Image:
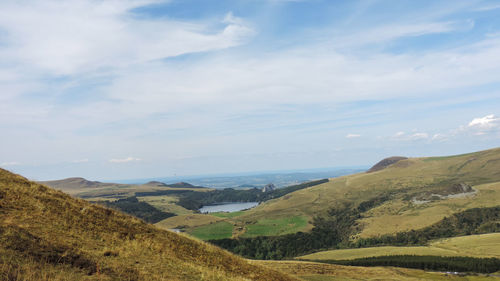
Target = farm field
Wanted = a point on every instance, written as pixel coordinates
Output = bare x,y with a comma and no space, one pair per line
270,227
218,230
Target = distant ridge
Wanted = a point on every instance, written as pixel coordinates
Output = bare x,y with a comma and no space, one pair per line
384,163
173,185
73,183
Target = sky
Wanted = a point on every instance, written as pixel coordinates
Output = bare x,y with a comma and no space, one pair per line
149,88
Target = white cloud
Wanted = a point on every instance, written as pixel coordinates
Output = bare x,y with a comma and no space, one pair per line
407,137
125,160
485,123
351,136
439,137
419,136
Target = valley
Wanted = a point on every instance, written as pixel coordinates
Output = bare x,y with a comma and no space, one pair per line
435,209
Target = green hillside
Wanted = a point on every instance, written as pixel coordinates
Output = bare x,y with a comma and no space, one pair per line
417,192
48,235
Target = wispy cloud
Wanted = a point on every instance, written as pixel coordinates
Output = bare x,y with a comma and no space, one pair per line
488,8
103,35
419,136
352,136
125,160
402,136
80,161
98,76
6,164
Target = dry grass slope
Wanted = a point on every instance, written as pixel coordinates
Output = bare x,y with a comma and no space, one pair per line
481,246
328,272
48,235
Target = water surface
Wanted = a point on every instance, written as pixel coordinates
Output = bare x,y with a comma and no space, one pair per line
228,207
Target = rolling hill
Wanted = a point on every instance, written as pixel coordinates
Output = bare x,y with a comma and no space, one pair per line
411,193
48,235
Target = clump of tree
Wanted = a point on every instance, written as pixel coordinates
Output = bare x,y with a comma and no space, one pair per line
437,263
136,208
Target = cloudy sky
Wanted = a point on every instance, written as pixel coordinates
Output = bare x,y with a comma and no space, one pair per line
149,88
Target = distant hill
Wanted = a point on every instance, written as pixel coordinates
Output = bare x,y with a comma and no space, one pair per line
384,163
48,235
74,183
173,185
183,185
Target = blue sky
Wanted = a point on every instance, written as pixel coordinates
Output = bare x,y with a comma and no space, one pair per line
149,88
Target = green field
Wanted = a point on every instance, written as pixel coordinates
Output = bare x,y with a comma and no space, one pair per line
484,245
227,215
271,227
218,230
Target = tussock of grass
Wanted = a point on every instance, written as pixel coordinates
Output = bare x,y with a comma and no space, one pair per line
48,235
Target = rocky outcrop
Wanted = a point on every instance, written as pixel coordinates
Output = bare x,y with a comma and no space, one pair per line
268,187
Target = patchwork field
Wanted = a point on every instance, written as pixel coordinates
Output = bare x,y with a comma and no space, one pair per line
484,245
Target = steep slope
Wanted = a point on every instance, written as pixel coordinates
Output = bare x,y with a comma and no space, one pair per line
48,235
416,192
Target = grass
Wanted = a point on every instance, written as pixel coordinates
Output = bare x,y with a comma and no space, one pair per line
481,246
165,203
188,221
48,235
271,227
228,214
326,272
218,230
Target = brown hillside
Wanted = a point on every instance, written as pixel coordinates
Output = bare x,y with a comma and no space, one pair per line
48,235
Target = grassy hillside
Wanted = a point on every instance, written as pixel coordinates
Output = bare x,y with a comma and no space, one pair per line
48,235
312,271
484,245
409,184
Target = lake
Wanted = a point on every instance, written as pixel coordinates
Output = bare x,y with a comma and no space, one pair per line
228,207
